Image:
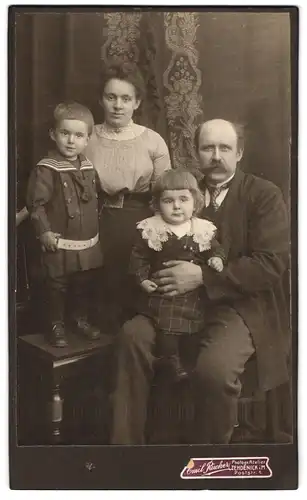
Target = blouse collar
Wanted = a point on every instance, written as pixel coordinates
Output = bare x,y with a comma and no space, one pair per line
130,131
119,130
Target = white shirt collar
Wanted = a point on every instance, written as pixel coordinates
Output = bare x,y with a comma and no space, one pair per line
220,184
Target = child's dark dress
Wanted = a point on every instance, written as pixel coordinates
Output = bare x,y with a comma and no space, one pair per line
155,244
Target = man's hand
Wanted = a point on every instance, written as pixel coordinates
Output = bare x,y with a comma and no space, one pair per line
178,277
148,286
49,241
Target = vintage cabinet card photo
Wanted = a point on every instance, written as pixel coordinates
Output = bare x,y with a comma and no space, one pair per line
153,247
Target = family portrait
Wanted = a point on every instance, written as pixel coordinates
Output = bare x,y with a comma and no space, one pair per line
153,175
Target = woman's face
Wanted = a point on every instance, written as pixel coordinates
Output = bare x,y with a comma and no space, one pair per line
119,102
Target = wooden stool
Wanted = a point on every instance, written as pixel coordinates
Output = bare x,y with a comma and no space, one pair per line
43,374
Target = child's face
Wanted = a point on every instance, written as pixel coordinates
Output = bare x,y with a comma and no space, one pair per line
71,137
176,205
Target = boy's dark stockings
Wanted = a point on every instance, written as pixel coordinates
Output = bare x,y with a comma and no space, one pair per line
77,288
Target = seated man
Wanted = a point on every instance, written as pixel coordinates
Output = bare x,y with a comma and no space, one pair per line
248,306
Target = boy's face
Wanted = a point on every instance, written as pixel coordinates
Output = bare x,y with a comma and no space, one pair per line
176,205
71,137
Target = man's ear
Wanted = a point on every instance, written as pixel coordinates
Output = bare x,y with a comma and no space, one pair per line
240,154
51,134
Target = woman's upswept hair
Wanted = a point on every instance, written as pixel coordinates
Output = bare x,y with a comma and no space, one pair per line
126,71
177,179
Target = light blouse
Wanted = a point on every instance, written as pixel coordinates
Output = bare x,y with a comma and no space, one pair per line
127,160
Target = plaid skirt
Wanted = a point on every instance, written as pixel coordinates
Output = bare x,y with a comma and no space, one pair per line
181,315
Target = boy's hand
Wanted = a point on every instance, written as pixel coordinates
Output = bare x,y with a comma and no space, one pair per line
148,286
49,241
216,263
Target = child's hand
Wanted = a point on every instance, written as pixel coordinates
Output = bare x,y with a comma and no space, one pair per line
149,286
21,216
216,263
49,241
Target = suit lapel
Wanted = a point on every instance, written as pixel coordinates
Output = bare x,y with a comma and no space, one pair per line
230,211
227,217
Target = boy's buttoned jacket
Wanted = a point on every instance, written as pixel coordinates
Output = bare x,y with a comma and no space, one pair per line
63,199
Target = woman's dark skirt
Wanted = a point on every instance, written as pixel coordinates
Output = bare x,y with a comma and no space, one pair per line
117,235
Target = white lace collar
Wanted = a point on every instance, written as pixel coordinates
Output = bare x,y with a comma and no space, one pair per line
130,131
181,230
156,232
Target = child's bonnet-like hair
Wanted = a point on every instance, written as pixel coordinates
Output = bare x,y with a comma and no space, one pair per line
177,179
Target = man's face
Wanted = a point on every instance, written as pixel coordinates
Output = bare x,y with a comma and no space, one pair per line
218,150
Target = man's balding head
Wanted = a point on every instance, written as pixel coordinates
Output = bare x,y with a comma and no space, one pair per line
219,148
238,128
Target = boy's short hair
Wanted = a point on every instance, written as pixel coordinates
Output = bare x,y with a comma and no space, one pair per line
177,179
73,111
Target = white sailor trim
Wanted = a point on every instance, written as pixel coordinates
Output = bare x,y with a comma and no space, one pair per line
64,166
56,168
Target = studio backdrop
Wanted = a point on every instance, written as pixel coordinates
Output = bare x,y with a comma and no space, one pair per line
197,65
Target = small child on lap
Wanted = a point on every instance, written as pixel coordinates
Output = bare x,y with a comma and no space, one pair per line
174,233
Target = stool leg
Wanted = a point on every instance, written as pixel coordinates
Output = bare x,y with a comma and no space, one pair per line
56,414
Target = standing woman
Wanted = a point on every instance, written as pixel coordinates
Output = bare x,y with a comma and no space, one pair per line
128,159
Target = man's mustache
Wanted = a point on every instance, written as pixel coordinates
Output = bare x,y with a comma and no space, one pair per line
216,163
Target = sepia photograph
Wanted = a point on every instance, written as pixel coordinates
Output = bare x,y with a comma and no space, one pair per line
153,247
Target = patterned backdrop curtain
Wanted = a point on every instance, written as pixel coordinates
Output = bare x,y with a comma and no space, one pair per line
196,65
135,37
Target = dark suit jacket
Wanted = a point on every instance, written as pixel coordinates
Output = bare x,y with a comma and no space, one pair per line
253,229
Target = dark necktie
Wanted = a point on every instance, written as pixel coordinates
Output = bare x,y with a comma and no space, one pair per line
215,192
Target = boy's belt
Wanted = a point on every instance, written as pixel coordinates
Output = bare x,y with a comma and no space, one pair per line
77,244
